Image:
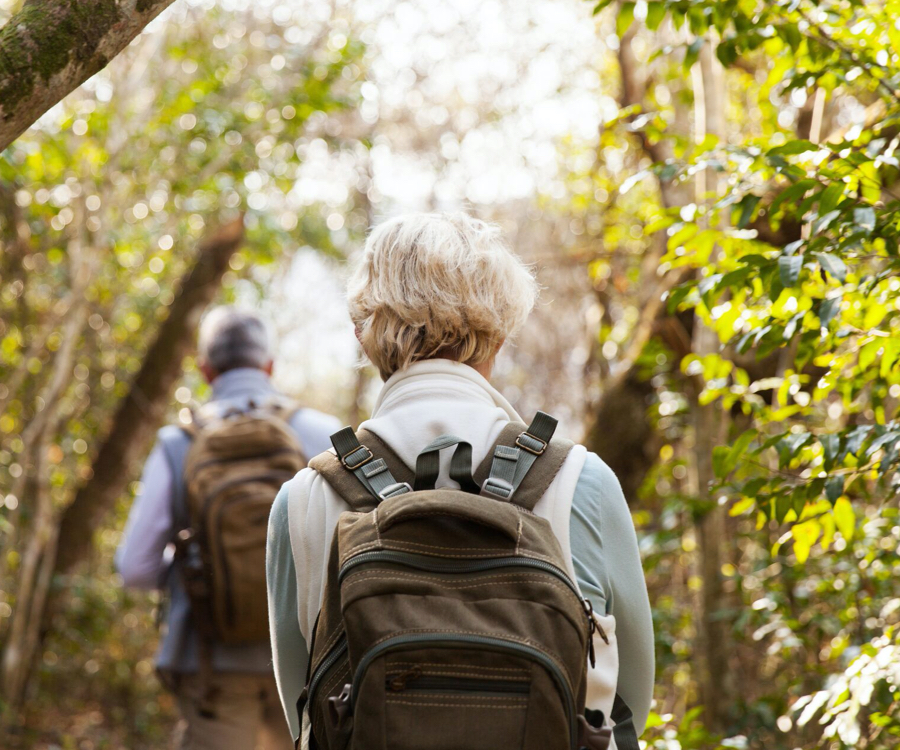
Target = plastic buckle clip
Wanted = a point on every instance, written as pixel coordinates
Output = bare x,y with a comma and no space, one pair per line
497,487
368,457
392,490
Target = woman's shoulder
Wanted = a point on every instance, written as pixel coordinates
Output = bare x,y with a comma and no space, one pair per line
598,485
596,470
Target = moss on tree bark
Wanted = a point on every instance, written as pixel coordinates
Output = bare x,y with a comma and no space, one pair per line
50,47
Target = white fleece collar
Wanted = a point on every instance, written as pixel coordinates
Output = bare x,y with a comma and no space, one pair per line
438,397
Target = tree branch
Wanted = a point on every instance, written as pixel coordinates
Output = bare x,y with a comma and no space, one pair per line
49,48
142,410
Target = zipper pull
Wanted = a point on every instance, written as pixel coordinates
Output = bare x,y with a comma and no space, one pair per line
589,611
398,683
594,622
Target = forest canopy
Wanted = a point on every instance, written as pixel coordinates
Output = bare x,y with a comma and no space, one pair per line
708,193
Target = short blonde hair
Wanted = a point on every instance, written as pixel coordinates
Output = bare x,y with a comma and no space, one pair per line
437,285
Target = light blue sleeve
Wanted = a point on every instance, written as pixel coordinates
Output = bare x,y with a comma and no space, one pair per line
289,653
314,428
140,559
608,568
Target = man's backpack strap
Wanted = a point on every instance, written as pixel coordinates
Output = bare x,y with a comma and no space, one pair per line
175,442
524,462
357,475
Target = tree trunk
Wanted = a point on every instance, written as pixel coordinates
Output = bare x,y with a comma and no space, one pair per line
620,431
142,411
710,429
58,544
49,48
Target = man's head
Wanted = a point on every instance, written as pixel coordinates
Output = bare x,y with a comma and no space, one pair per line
231,338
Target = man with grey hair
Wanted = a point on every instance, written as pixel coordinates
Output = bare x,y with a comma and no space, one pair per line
226,692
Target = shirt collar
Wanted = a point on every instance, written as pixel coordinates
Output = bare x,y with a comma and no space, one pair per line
241,381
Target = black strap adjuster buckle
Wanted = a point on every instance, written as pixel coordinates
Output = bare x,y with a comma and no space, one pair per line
366,457
524,441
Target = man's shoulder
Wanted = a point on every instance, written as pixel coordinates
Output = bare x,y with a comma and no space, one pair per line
306,418
173,437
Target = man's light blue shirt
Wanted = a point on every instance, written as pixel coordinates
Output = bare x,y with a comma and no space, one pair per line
143,558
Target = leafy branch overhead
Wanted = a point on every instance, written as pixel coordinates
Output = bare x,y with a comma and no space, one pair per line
829,296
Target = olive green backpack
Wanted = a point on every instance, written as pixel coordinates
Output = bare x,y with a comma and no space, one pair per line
235,466
448,620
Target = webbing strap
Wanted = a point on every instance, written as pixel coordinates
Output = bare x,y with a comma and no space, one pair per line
372,472
510,464
428,464
624,730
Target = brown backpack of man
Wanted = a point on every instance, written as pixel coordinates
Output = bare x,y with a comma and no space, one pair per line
237,462
448,621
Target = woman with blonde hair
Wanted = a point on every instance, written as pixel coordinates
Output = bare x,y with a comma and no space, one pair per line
433,298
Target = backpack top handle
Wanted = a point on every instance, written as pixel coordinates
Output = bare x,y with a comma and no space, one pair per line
428,464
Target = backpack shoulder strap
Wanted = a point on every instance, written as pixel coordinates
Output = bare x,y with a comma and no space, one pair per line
175,441
524,462
280,407
362,469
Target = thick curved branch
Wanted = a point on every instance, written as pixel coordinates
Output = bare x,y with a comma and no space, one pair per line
49,48
143,409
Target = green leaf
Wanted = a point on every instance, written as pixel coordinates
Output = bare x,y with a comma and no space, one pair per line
602,5
740,447
823,222
889,357
868,353
656,12
791,445
791,194
789,269
747,205
844,518
831,444
828,309
720,461
830,197
792,148
834,488
693,51
865,218
833,265
857,437
791,34
625,18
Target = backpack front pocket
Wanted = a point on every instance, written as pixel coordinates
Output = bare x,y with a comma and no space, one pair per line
453,691
456,714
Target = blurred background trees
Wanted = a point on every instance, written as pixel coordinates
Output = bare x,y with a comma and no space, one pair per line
706,190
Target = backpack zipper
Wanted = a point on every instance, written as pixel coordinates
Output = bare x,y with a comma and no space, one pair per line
413,679
333,657
461,641
439,565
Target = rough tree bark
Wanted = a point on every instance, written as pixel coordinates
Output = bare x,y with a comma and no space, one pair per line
142,411
67,540
630,450
49,48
